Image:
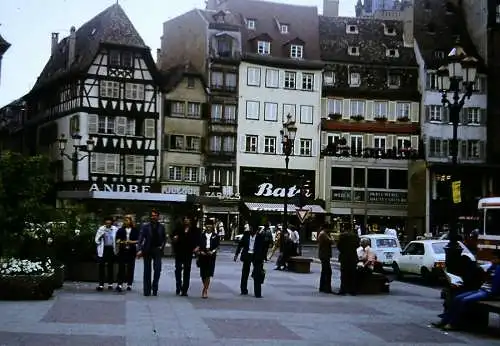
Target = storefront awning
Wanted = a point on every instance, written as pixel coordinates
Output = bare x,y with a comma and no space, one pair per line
315,209
273,207
219,209
128,196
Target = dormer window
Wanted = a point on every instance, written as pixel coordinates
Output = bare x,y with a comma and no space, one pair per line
389,31
354,79
251,24
352,29
393,80
392,53
219,17
353,51
264,47
296,51
328,78
284,28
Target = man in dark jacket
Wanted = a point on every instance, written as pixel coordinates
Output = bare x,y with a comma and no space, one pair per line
152,240
325,255
185,241
347,245
251,247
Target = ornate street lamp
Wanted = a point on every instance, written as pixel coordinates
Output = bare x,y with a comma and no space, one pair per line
75,157
459,76
287,141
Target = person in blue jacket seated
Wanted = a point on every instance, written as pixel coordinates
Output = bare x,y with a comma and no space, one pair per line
458,307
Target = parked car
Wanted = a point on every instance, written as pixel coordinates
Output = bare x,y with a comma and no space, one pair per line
425,258
386,247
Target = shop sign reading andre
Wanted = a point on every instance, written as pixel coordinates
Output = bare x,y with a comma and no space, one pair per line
120,188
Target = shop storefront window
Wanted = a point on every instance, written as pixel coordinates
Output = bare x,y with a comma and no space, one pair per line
398,179
377,178
359,177
341,176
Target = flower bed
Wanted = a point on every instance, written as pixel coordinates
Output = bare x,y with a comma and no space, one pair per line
26,280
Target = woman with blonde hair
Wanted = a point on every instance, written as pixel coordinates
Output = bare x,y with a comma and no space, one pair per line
126,237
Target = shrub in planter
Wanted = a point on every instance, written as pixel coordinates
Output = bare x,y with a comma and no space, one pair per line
58,277
26,280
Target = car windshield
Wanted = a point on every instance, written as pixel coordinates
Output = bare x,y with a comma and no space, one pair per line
439,247
386,242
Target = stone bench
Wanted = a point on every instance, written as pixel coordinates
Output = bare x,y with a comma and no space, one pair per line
299,264
481,313
374,283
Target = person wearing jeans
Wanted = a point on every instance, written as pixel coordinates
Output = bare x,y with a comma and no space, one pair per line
152,240
126,238
105,240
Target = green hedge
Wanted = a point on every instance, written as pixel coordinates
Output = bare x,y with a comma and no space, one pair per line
26,287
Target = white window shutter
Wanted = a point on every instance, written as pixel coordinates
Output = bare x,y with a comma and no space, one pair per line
392,111
324,139
414,142
346,109
242,143
368,141
391,141
92,123
324,107
415,112
369,110
202,178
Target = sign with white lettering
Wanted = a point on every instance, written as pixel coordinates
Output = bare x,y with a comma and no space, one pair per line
221,195
181,189
120,188
275,183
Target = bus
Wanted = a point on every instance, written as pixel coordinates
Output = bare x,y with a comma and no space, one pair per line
489,236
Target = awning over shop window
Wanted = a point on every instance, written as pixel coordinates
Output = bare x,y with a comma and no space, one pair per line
271,207
315,209
129,196
217,209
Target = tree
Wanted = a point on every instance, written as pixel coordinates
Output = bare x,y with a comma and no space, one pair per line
24,184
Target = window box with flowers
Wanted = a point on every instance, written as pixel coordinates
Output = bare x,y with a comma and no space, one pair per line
403,119
357,117
335,116
380,118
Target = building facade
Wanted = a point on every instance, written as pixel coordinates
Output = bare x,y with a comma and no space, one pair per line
370,123
438,26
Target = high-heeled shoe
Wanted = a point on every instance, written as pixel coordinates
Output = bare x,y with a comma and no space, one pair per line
204,294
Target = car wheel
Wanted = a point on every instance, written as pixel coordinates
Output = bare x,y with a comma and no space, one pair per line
397,271
426,274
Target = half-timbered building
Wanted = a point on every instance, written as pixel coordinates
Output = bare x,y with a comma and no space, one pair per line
370,126
100,82
4,45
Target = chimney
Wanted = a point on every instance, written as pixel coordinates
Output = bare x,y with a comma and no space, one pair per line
71,46
158,55
407,16
55,42
331,8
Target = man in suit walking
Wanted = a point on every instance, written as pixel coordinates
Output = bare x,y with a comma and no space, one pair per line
251,247
325,255
348,257
152,240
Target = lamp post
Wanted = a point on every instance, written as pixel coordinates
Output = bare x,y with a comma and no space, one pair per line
459,76
287,141
77,148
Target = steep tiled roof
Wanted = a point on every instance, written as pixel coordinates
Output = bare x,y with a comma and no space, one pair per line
302,24
4,45
437,26
370,39
110,26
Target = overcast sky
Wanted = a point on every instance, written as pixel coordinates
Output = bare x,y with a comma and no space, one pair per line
28,24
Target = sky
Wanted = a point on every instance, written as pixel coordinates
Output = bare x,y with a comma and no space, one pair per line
28,24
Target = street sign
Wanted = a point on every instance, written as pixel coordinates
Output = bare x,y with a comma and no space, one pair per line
302,214
456,193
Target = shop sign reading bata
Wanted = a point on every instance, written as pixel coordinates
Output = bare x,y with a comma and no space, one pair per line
120,188
268,190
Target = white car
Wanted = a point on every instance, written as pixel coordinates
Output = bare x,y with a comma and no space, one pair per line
386,247
425,258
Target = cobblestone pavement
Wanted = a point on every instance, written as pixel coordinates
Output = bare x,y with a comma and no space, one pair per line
292,313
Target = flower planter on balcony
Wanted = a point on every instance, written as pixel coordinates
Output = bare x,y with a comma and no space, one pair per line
357,117
26,287
335,116
380,119
404,119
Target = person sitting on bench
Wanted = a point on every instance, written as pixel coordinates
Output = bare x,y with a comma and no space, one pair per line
366,260
460,303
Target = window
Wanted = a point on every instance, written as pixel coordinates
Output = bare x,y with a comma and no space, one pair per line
480,85
106,124
251,143
308,81
178,109
149,130
332,138
130,131
334,106
398,179
284,28
392,53
121,126
435,113
356,144
341,177
230,114
215,144
389,31
394,80
497,14
253,110
229,144
354,79
105,163
439,54
380,109
357,108
134,91
191,174
438,147
473,149
403,143
194,110
264,47
377,178
290,78
251,24
193,143
329,78
93,123
109,89
127,59
353,51
351,29
306,114
403,110
216,113
379,142
224,47
253,76
473,115
289,109
270,111
217,80
359,177
305,148
175,173
272,78
231,79
296,51
270,145
431,81
190,82
134,165
176,142
114,58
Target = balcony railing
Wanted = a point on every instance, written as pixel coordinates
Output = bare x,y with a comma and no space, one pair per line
221,153
375,153
223,121
225,54
223,88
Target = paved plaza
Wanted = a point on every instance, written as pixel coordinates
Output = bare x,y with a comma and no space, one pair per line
292,313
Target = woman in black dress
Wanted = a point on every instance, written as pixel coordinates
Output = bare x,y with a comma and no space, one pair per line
126,237
209,244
